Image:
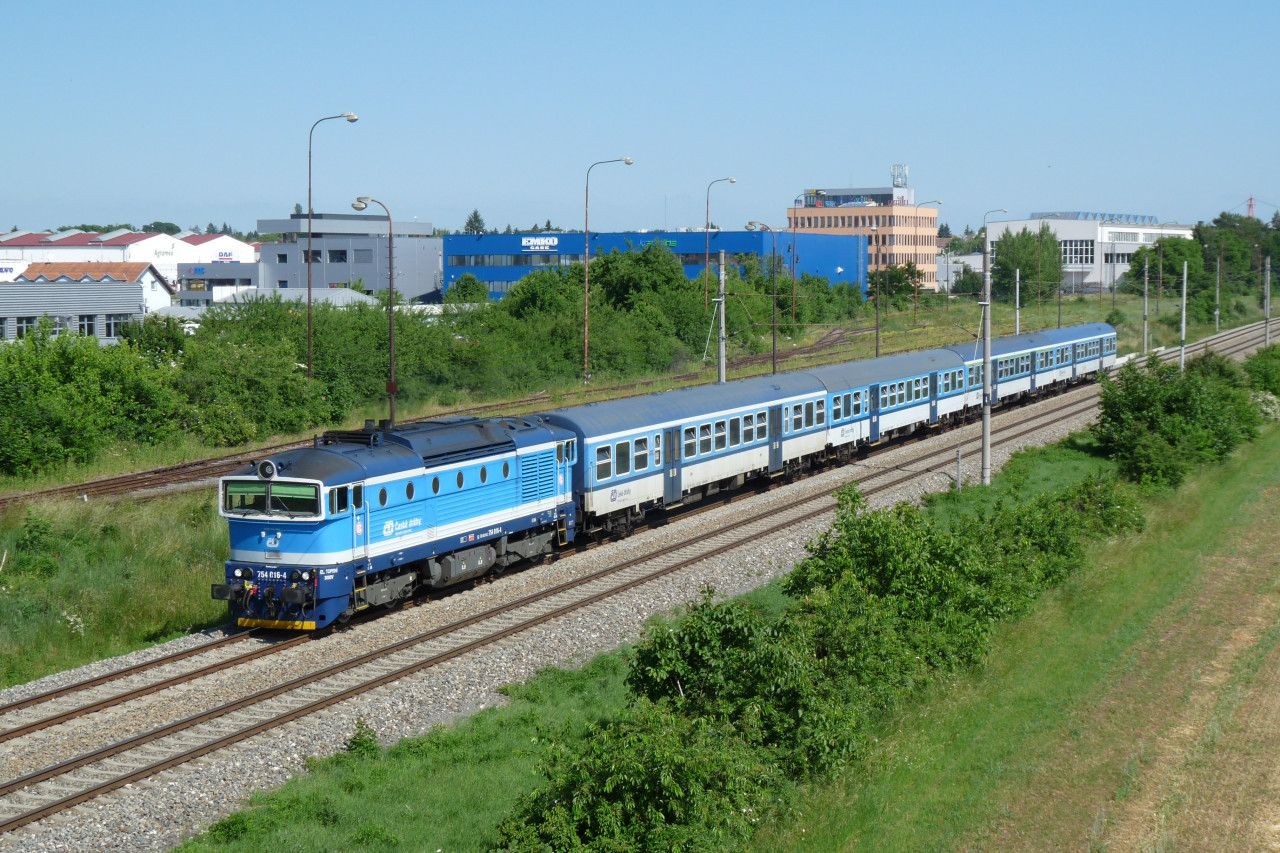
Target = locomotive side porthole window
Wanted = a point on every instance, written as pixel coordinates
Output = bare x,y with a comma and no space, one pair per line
382,497
484,474
506,470
435,485
408,491
460,479
357,496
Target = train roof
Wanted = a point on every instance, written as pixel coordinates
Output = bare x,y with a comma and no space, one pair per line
1033,340
606,418
853,374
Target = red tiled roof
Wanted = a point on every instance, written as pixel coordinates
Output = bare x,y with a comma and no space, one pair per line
130,272
127,239
53,240
201,239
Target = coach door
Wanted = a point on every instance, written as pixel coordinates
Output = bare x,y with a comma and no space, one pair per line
775,439
874,393
359,523
933,398
672,487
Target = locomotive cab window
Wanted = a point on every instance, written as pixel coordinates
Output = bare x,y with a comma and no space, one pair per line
357,496
338,500
622,461
255,497
604,462
560,452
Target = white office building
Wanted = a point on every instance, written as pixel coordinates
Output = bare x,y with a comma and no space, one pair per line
1096,247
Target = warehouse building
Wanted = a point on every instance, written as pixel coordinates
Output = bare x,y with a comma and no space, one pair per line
500,260
90,299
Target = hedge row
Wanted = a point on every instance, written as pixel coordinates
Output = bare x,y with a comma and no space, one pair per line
732,708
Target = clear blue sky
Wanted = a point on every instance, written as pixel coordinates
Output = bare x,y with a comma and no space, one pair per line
137,111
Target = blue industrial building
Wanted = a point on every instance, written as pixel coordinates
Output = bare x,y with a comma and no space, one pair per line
500,260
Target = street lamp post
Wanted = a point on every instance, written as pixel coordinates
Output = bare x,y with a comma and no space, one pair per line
586,265
351,118
706,258
915,306
360,204
773,278
986,347
877,263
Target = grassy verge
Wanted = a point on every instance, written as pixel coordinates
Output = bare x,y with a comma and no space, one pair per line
953,321
449,789
962,757
84,581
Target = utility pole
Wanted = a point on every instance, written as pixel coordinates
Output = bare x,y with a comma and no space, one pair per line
1017,301
1159,276
1266,302
1182,351
1146,280
986,361
1217,294
723,364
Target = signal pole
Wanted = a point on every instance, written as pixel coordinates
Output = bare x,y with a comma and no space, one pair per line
1017,301
1182,351
1146,281
1266,302
722,342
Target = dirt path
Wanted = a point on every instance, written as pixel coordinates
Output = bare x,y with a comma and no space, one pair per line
1182,752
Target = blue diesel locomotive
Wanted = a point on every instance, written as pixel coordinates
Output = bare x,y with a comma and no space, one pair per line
367,518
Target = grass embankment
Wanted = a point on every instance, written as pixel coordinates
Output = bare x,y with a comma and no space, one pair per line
936,324
449,789
84,581
1043,747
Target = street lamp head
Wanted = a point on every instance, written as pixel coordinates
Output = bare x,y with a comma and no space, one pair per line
627,161
360,203
733,180
351,117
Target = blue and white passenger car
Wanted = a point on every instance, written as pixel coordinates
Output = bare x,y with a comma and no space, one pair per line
1026,364
364,518
662,449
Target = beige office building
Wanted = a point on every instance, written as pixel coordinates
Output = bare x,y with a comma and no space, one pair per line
897,230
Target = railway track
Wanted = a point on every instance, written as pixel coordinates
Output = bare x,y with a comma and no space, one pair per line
53,789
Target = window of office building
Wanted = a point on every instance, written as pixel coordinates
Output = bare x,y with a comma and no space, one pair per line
24,325
314,253
337,256
115,322
1077,252
282,258
88,324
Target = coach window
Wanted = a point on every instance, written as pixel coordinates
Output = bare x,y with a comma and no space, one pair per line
604,462
735,432
797,418
657,450
748,429
720,435
357,496
821,409
836,410
690,442
704,439
622,459
642,454
808,414
762,426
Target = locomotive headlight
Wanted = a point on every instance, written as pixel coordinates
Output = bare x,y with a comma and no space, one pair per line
238,573
306,576
266,469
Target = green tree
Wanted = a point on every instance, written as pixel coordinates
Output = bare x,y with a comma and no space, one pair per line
159,227
944,230
967,281
474,223
1037,255
467,290
297,208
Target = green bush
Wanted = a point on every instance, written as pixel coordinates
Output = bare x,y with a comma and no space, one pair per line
651,780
